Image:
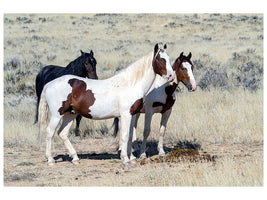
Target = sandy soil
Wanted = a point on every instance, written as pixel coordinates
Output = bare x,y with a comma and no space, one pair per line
26,166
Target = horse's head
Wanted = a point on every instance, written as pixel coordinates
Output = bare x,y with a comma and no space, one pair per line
184,71
89,64
161,63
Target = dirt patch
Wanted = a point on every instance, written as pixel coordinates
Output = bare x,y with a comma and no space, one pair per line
99,166
28,176
179,155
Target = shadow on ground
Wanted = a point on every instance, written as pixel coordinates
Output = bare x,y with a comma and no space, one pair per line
91,156
151,147
151,151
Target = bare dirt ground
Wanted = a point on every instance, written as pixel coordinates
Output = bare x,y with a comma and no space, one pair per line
26,166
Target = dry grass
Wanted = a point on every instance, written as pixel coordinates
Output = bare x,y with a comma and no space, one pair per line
214,117
228,172
201,117
223,117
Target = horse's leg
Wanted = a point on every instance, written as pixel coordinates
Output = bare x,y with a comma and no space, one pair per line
164,119
116,126
129,144
126,119
135,143
129,147
148,117
54,121
63,133
119,131
77,129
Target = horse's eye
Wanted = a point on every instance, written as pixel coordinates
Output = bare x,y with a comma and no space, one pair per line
159,60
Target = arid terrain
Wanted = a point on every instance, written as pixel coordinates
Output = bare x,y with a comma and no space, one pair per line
222,120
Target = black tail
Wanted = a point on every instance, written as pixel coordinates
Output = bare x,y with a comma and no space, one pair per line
116,126
39,85
37,110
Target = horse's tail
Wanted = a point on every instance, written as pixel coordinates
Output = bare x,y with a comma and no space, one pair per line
39,84
42,115
116,126
37,113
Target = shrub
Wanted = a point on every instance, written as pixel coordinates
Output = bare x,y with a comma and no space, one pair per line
213,77
25,164
249,76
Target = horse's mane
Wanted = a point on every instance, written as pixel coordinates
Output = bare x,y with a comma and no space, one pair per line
134,72
74,63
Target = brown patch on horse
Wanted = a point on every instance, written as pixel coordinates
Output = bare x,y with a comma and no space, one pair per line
137,106
169,90
65,106
79,99
159,65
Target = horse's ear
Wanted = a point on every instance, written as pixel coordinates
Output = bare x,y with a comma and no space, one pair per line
91,53
165,46
181,55
189,56
156,48
82,52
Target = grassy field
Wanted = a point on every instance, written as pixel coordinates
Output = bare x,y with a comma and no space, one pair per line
223,117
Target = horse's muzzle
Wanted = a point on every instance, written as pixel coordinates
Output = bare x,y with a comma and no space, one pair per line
170,77
191,86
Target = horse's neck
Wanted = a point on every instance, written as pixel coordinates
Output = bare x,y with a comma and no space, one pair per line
160,84
74,68
159,81
145,73
139,74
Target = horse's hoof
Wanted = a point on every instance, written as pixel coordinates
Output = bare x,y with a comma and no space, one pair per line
130,163
77,133
75,162
143,156
51,163
133,162
162,154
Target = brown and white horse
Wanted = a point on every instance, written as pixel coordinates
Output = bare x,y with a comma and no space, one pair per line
118,96
161,98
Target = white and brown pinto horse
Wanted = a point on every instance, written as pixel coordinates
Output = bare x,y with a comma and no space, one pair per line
161,98
118,96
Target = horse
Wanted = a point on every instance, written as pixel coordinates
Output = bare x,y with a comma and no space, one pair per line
161,98
118,96
83,66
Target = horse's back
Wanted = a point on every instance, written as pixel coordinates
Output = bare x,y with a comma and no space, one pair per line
95,94
52,72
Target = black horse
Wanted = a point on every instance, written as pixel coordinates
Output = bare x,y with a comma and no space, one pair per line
83,66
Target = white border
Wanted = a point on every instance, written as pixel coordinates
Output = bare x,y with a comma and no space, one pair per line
133,6
125,6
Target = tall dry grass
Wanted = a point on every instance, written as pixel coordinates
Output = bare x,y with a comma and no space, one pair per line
214,117
225,117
